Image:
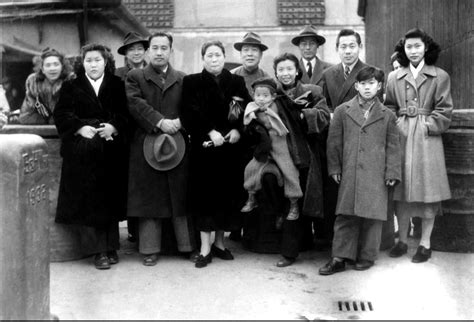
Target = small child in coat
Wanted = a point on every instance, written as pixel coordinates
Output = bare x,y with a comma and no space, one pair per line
264,111
364,158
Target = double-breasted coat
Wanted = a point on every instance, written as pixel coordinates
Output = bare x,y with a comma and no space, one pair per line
93,186
317,72
216,172
424,107
365,153
151,98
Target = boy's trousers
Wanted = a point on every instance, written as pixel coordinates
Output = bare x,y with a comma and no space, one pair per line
356,238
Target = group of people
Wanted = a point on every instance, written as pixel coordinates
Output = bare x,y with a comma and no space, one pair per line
318,146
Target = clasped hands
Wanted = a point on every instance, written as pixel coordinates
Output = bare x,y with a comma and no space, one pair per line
337,178
170,126
105,131
217,139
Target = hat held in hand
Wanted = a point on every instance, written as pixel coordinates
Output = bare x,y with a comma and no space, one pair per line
163,151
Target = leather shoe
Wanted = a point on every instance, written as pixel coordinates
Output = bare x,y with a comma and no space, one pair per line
422,255
333,266
285,261
101,261
150,260
398,250
113,257
222,254
202,261
363,264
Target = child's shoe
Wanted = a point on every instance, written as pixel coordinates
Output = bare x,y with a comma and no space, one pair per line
294,212
250,205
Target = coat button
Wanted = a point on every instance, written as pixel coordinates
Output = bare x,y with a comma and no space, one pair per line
415,99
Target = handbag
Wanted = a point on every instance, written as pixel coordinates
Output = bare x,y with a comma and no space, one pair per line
42,110
235,109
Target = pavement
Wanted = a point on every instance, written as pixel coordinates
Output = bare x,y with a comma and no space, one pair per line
252,287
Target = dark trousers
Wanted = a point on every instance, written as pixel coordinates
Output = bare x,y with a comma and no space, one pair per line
100,239
356,238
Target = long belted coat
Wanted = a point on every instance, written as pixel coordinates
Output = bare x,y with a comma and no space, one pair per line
151,97
93,187
365,153
424,177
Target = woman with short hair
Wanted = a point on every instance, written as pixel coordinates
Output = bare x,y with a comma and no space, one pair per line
91,118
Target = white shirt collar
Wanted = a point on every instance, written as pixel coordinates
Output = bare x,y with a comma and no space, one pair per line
312,61
96,83
416,70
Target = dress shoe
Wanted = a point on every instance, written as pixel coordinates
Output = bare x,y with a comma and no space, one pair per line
294,212
398,250
202,261
362,265
222,254
250,205
285,261
150,260
333,266
194,256
101,261
113,257
422,255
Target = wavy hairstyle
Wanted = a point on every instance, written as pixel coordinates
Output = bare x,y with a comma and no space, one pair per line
49,52
104,51
432,48
290,57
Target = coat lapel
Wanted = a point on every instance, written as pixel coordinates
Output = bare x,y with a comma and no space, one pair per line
317,72
355,113
171,78
151,75
349,82
87,88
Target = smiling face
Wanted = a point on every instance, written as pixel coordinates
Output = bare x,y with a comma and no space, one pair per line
160,51
94,64
308,47
52,68
415,50
250,56
348,49
286,72
136,53
213,60
368,88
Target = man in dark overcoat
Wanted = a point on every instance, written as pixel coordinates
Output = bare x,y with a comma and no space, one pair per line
154,98
308,42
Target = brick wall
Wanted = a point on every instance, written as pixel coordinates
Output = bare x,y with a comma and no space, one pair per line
301,12
154,14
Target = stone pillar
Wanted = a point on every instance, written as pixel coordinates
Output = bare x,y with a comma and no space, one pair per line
24,227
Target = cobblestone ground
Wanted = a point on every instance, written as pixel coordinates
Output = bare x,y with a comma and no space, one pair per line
252,287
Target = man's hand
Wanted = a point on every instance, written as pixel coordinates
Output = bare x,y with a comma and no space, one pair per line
169,126
233,136
216,138
336,177
106,131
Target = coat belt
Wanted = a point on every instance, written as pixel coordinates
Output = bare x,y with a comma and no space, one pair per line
412,111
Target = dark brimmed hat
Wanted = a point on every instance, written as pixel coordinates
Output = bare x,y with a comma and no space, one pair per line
163,151
132,38
265,81
252,39
308,31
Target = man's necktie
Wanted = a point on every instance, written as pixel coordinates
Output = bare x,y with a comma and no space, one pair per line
310,69
347,71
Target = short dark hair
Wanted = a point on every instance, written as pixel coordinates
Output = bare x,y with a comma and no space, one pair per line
208,44
267,82
432,48
104,51
370,72
348,32
161,34
49,52
290,57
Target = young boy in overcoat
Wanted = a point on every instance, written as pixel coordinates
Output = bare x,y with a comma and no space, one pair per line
364,158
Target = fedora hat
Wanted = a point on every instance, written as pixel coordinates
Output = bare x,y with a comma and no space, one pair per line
250,38
308,31
164,151
132,38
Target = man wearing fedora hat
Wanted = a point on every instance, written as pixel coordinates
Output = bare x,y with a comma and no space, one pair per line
251,49
308,42
133,48
158,158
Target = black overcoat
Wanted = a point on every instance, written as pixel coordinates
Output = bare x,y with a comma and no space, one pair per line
93,186
216,173
151,98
